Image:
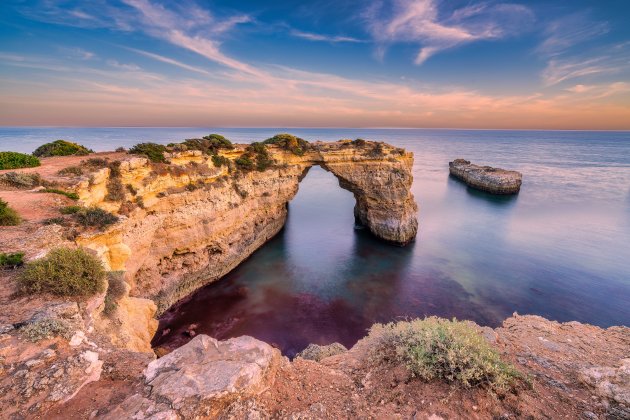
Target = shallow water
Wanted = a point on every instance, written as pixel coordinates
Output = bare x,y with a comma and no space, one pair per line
560,249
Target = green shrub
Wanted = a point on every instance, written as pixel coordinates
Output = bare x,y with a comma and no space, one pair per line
289,142
153,151
70,209
220,161
116,289
209,145
64,272
358,142
95,216
47,328
115,188
120,149
8,216
15,160
12,260
21,180
71,171
61,148
71,195
244,162
436,348
263,160
95,163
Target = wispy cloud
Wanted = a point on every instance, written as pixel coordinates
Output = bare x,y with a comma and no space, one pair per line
562,34
558,71
573,49
169,61
324,38
422,22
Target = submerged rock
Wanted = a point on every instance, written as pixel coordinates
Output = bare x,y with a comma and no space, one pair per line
316,352
486,178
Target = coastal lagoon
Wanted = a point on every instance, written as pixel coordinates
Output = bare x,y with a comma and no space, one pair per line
559,249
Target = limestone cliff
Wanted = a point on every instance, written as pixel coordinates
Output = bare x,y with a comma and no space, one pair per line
193,222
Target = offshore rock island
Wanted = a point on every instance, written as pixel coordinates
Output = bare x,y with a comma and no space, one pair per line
486,178
165,221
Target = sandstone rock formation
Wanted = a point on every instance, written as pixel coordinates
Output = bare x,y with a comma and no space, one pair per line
486,178
198,221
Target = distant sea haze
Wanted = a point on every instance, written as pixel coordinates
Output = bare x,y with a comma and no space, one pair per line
560,249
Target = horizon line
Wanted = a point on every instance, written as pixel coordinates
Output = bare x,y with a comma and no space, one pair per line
314,128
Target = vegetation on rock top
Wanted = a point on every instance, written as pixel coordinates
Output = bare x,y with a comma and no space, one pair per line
61,148
95,217
436,348
15,160
153,151
295,145
209,145
70,195
63,272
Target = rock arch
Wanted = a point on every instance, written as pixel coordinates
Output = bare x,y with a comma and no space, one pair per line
183,238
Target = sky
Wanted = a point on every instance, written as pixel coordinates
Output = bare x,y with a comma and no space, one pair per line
324,63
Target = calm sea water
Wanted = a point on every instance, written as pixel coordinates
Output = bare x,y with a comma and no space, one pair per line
560,249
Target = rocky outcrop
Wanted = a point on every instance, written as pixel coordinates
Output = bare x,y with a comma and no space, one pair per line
197,221
203,377
486,178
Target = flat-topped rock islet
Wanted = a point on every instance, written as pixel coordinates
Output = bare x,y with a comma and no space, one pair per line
486,178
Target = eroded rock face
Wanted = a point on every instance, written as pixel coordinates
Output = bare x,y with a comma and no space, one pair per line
184,237
486,178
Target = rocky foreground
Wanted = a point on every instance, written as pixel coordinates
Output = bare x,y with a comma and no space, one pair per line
486,178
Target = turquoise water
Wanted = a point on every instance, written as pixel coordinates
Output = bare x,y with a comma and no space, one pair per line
560,249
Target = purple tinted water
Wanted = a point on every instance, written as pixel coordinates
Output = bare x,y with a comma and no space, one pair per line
560,249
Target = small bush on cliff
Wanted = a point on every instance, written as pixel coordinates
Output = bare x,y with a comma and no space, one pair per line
70,209
71,171
14,160
61,148
220,161
263,160
70,195
436,348
115,188
289,142
244,162
12,260
47,328
209,144
8,216
116,288
153,151
21,180
64,272
95,216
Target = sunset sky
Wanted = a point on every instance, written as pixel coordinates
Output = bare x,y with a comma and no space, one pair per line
322,63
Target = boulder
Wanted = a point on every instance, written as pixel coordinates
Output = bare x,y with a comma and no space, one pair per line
486,178
204,376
